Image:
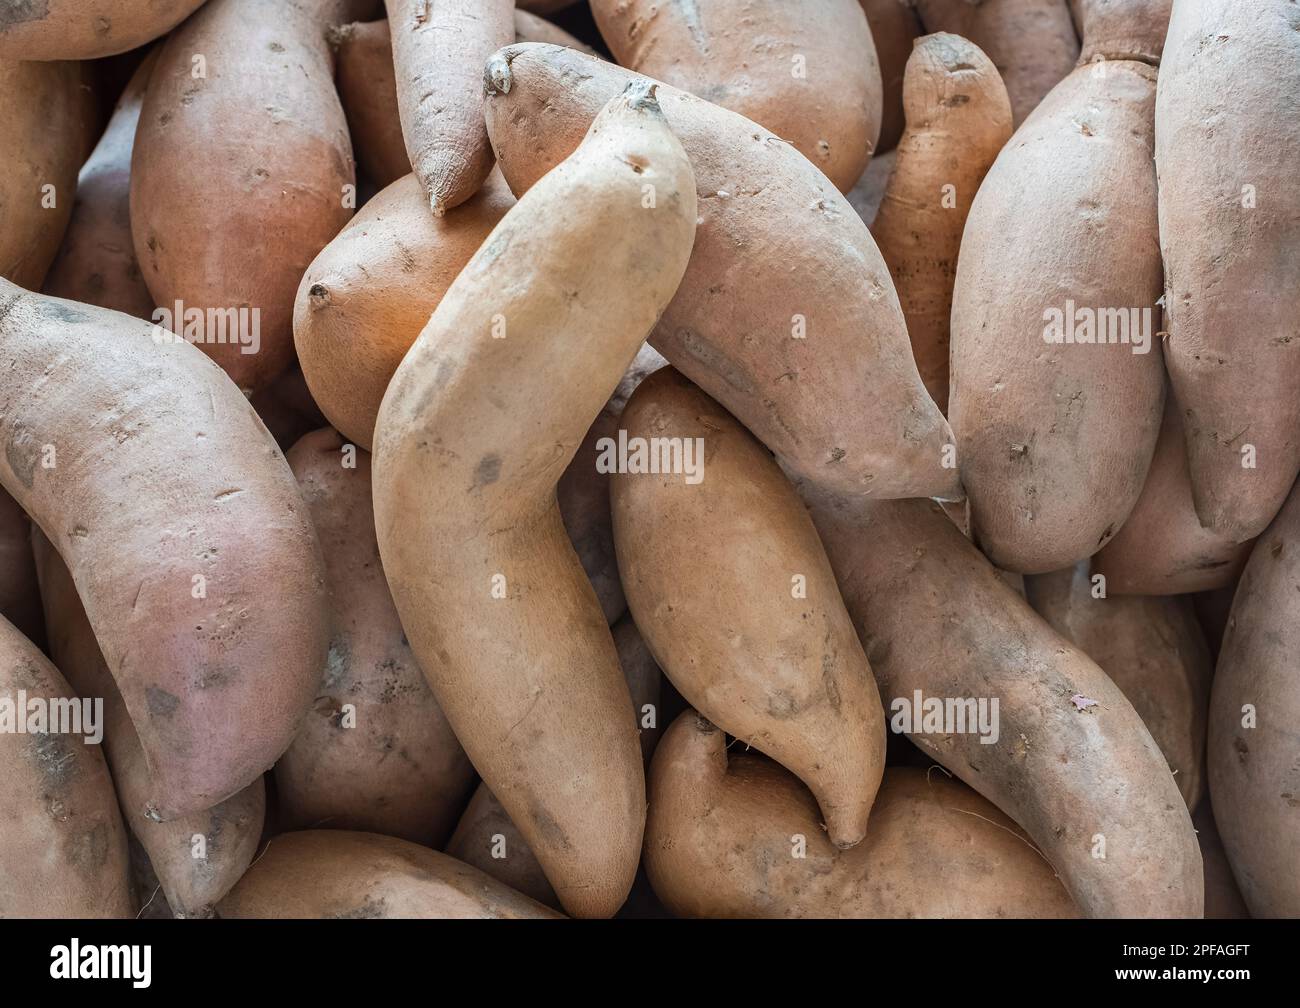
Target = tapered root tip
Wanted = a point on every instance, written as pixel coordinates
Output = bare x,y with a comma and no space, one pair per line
641,96
497,79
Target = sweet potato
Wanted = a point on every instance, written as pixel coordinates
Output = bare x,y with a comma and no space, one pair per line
761,644
1227,128
469,530
1122,29
207,593
85,29
438,54
1255,724
20,597
806,346
1055,432
865,197
96,263
804,69
64,852
958,119
40,119
1073,763
344,874
192,877
735,835
894,26
1153,650
376,753
1162,548
1031,42
243,95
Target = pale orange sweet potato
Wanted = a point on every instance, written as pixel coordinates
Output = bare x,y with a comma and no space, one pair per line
85,29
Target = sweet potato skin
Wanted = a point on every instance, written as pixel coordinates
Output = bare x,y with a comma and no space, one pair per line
849,413
894,26
1122,29
1054,438
723,825
805,69
1227,129
207,595
86,29
1254,713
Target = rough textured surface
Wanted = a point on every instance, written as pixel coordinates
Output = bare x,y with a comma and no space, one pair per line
804,69
1123,29
64,852
1153,650
723,827
894,26
843,404
1254,751
207,593
751,631
1054,439
934,616
469,530
958,119
1227,129
391,763
85,29
336,874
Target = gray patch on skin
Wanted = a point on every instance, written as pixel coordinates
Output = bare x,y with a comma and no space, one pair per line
782,705
551,831
89,850
488,471
14,12
55,759
372,909
210,676
161,703
337,660
20,453
64,312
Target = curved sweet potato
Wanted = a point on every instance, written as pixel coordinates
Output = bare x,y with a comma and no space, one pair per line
85,29
465,493
207,594
894,26
806,346
1073,763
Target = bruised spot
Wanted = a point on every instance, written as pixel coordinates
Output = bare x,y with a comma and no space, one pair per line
160,702
782,705
550,830
373,908
488,471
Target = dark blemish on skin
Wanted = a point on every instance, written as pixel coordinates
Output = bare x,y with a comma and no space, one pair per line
55,759
551,831
20,453
210,676
782,705
276,47
89,850
488,471
1243,750
371,909
14,12
65,312
336,664
160,702
1110,531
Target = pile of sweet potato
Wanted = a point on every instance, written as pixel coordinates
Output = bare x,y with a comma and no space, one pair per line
738,458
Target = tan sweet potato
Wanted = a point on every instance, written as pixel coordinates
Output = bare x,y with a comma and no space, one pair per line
1153,650
1073,764
1227,128
85,29
1122,29
197,857
732,834
894,26
376,753
41,121
469,530
64,852
96,263
761,645
806,345
438,54
1031,42
342,874
243,97
207,593
1162,548
1056,388
804,69
1255,724
958,119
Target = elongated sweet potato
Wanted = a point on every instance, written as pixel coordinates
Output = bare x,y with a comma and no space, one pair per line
1153,650
64,852
438,54
243,95
804,69
1255,724
96,263
735,835
1227,127
1073,764
344,874
40,119
958,119
762,644
806,346
1162,548
469,530
207,594
1056,393
85,29
1031,42
376,753
196,857
894,26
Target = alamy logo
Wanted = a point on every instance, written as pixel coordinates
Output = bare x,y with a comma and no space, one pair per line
657,455
75,961
38,715
178,324
922,715
1126,326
